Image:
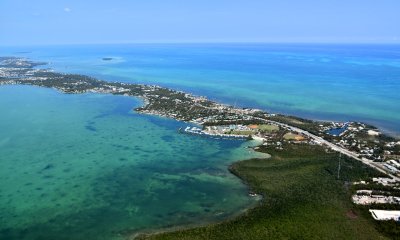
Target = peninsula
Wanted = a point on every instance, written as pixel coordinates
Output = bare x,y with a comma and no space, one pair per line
357,140
353,140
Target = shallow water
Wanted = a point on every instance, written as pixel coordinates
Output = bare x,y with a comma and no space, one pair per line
328,82
87,167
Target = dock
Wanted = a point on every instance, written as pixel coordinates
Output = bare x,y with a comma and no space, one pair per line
200,132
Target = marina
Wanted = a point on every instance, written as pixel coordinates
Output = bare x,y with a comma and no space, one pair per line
200,132
199,120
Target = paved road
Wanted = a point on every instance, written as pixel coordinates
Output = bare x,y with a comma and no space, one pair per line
335,147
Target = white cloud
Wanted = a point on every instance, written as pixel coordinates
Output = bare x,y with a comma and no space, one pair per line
67,9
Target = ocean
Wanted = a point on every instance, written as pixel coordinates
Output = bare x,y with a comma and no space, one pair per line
88,167
323,82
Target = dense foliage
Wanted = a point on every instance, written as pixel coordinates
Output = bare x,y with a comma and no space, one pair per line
303,199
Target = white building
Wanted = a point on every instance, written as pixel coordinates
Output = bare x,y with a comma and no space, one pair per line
385,215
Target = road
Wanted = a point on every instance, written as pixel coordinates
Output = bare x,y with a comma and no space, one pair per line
335,147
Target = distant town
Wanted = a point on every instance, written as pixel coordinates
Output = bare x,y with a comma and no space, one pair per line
206,118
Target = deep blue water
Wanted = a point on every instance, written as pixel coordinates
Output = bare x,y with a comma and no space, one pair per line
327,82
86,166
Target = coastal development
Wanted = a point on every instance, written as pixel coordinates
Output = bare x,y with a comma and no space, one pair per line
355,140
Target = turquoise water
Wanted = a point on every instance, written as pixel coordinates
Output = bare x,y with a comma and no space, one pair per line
87,167
328,82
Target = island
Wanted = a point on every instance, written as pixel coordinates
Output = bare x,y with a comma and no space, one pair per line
352,167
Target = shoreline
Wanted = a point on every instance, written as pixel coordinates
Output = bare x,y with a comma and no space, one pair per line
145,233
189,231
181,106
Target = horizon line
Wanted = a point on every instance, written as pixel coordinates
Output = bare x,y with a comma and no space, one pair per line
202,42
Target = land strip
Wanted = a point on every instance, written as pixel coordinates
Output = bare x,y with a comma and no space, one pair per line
279,133
359,141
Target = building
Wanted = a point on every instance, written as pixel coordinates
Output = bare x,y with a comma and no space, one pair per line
385,215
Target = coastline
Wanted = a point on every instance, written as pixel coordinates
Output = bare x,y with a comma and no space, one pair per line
141,235
145,233
180,107
213,230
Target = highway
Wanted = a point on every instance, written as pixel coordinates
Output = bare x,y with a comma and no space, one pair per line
335,147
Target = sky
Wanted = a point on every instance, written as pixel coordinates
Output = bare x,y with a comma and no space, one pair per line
41,22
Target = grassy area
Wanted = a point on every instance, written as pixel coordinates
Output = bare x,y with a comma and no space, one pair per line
302,199
241,132
292,136
268,127
308,125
